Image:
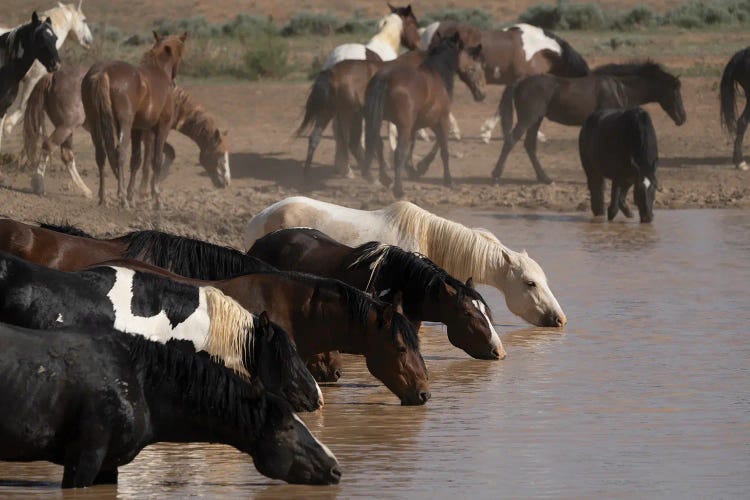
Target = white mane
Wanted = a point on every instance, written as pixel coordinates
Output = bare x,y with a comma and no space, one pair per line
389,35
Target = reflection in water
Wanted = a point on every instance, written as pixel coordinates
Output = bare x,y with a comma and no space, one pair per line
643,394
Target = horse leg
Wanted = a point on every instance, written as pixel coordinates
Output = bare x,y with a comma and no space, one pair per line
455,130
530,144
614,202
596,189
123,153
402,152
69,160
101,157
55,139
147,139
441,135
510,141
84,458
624,201
106,477
424,163
341,132
355,143
488,126
160,138
135,162
742,123
409,165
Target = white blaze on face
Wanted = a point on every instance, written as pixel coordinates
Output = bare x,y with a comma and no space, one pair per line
495,337
194,329
534,40
325,448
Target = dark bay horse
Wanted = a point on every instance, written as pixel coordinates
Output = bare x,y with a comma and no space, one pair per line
430,293
59,97
736,74
620,145
92,400
120,99
363,325
570,101
418,97
152,306
19,48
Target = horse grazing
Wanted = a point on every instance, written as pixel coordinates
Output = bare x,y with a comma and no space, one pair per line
398,27
66,19
92,400
143,304
418,97
59,97
429,293
736,73
620,145
120,99
570,101
19,49
461,251
513,54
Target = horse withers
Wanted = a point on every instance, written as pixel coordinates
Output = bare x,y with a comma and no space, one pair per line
92,400
620,146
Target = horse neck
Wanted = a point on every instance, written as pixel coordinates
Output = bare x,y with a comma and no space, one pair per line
640,90
445,65
347,335
194,122
61,23
389,35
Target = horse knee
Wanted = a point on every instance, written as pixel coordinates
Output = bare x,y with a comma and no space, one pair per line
67,155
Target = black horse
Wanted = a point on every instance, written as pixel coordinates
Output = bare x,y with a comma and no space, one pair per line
140,303
736,73
91,401
620,146
19,48
570,101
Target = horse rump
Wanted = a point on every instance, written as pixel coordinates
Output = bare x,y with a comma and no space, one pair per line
318,102
97,104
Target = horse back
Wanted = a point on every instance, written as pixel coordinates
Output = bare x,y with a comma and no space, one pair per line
301,249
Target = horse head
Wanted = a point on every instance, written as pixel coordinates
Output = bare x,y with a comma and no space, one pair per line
44,43
215,159
167,51
325,366
410,36
471,71
78,25
671,99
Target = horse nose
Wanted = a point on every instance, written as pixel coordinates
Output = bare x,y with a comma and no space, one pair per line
497,354
335,474
560,321
424,396
336,375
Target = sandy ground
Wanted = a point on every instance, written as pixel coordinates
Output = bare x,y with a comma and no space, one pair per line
266,165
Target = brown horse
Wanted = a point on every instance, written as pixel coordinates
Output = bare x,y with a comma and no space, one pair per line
363,325
512,54
120,99
58,95
418,97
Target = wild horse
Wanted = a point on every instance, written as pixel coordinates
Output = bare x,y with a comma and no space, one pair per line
736,73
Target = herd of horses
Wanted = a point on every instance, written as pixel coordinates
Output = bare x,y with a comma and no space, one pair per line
110,345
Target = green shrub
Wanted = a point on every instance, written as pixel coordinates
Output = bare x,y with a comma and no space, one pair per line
266,57
306,23
245,25
638,17
476,17
196,27
575,16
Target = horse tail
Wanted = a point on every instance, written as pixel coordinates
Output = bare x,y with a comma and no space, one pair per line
102,119
572,63
645,152
506,110
374,112
319,99
728,89
33,118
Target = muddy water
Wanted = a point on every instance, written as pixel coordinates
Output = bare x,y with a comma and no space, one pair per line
645,393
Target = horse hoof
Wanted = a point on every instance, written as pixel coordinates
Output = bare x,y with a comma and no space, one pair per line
37,184
743,166
398,193
486,138
385,180
448,183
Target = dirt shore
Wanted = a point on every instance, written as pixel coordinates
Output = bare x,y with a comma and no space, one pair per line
266,160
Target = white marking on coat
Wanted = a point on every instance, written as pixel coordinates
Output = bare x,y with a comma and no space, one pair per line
325,448
195,328
19,51
646,182
385,292
534,40
59,318
496,72
495,337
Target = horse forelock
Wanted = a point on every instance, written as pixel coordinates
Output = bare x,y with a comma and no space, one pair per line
231,332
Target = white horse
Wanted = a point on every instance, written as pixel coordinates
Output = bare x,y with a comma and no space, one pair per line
462,251
66,18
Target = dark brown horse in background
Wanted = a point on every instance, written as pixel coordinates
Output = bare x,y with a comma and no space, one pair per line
736,74
569,101
120,99
418,97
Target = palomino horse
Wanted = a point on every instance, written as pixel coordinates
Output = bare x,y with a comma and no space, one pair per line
398,27
417,97
59,97
461,251
430,293
363,325
120,99
140,303
66,19
19,49
736,73
107,395
513,54
620,145
570,100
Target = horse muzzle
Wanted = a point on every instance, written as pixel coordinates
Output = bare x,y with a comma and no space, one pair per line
54,66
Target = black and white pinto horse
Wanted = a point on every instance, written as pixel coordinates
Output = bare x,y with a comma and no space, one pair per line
19,48
736,73
92,401
620,145
143,304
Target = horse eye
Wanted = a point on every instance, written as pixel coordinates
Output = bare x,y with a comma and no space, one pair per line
531,284
401,348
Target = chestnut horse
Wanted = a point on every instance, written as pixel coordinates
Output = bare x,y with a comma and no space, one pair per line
418,97
58,95
120,99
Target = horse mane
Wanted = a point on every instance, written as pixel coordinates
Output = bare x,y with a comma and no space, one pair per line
441,59
409,271
205,384
231,333
572,60
461,251
193,121
646,69
190,257
65,228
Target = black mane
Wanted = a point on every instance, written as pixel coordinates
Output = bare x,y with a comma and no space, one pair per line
443,59
65,228
646,69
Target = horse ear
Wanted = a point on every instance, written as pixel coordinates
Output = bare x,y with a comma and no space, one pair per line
156,36
407,11
398,302
451,291
393,9
34,18
183,37
470,283
476,51
48,21
217,135
80,4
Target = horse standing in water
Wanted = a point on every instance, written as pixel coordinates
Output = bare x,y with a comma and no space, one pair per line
91,401
511,55
620,145
570,101
463,252
59,97
66,19
417,97
736,74
120,99
430,293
